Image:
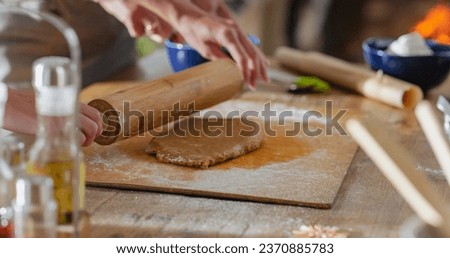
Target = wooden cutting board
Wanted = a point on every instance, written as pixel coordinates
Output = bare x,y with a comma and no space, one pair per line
301,170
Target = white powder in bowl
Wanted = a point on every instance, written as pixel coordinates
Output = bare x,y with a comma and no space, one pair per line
411,44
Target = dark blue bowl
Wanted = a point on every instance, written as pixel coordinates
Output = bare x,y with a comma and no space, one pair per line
424,71
182,56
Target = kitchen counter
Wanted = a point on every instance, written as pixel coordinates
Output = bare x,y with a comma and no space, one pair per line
366,205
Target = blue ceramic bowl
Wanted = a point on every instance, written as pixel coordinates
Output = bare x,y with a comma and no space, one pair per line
182,56
424,71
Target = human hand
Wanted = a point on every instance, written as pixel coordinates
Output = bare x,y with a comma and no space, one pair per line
214,7
138,20
91,124
248,50
207,25
221,30
20,117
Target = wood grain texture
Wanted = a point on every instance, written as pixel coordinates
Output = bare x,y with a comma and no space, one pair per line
298,170
383,88
398,165
366,205
136,109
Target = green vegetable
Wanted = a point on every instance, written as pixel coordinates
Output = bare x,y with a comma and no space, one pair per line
313,84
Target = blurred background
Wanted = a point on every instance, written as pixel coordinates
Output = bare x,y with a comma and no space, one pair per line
331,26
335,27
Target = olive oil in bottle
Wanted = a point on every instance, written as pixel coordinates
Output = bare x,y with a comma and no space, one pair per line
56,152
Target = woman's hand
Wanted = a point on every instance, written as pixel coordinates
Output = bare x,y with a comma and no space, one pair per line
91,124
138,20
20,117
207,25
208,34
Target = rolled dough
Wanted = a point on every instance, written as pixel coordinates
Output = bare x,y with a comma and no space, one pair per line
202,143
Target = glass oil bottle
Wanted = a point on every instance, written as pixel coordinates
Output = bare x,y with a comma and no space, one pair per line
6,180
56,152
12,161
34,207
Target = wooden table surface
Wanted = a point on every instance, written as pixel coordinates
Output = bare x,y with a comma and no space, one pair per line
366,205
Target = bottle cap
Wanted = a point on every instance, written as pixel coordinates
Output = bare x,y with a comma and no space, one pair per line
52,71
34,191
54,81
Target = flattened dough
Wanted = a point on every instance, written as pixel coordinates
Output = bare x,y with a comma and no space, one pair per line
195,142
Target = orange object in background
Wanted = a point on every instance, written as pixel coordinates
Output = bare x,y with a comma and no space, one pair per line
436,25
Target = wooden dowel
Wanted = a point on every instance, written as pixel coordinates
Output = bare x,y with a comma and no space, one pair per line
146,106
379,87
399,168
434,131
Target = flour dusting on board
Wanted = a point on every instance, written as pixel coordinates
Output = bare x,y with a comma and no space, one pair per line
103,160
430,170
300,170
241,106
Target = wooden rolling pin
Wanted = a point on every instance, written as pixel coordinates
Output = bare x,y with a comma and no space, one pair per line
399,167
375,86
140,108
434,131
